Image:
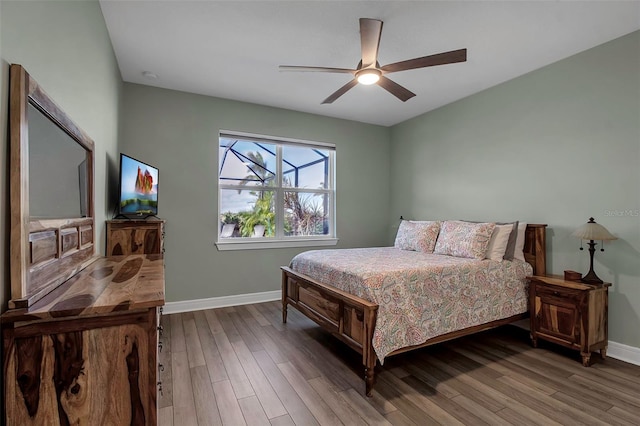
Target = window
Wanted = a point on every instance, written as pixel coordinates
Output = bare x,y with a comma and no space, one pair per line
274,192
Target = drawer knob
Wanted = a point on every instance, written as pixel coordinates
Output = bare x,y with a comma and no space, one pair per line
160,346
160,330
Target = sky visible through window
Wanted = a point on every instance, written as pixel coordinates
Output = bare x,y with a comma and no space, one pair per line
237,166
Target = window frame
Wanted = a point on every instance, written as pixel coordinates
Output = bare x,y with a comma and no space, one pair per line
280,240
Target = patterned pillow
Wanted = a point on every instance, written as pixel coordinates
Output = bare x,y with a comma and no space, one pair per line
464,239
418,236
511,245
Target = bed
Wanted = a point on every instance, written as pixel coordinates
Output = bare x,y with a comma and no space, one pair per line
384,301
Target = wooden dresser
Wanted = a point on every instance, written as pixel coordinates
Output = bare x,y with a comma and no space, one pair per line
131,236
569,313
86,353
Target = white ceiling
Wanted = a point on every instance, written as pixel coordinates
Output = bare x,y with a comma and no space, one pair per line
232,49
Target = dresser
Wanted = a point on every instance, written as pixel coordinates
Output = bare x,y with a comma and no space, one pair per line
86,353
569,313
135,236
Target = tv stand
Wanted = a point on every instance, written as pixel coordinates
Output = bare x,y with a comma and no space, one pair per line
135,236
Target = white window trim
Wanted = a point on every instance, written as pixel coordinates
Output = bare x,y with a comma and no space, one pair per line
267,243
280,241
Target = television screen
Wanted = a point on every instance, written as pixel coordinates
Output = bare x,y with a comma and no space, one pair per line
138,187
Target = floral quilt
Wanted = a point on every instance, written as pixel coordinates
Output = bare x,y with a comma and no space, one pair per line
420,295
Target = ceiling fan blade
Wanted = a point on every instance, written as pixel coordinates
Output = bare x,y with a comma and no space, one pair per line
370,32
316,69
341,91
428,61
395,89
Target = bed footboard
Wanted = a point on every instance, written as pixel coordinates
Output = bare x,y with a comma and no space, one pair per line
348,317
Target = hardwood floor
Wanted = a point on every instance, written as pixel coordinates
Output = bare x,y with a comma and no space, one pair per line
241,365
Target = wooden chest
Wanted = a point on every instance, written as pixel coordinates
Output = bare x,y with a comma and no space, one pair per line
126,237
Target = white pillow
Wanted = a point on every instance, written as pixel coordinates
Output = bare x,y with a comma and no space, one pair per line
498,242
518,254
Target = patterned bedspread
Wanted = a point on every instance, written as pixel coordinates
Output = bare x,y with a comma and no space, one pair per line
420,295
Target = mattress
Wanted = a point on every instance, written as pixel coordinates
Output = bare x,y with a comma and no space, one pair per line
420,295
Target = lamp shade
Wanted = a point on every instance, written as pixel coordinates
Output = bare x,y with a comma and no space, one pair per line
593,231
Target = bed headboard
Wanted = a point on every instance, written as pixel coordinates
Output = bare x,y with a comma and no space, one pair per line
535,247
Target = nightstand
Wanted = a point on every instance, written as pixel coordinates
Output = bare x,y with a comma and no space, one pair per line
569,313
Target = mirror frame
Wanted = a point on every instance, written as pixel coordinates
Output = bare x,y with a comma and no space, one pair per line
44,253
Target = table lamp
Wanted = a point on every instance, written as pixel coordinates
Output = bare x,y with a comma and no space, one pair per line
592,231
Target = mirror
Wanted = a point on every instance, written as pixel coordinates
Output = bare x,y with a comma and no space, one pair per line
51,193
57,170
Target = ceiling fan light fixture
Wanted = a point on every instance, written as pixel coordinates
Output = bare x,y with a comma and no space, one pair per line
368,76
368,71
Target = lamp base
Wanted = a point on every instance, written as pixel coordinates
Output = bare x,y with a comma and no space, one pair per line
591,278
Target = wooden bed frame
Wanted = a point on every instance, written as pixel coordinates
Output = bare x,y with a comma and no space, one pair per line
352,319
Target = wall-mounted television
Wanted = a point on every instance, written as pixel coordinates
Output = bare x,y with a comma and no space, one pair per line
138,188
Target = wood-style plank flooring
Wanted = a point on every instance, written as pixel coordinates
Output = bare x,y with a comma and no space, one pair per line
241,365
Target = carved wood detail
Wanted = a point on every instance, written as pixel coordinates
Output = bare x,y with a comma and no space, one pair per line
86,235
69,240
44,246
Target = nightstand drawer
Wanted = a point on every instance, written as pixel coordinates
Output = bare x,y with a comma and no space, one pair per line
549,292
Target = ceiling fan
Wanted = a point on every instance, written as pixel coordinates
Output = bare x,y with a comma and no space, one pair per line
369,70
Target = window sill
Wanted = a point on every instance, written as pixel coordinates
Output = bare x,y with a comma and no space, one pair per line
266,244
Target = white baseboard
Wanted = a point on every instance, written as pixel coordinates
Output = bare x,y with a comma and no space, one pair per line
221,302
615,350
625,353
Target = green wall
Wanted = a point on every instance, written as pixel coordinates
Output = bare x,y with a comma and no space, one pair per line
65,46
555,146
178,133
